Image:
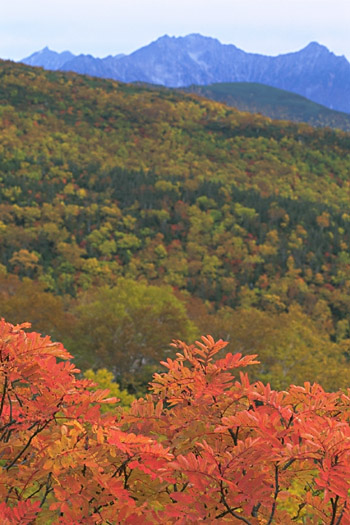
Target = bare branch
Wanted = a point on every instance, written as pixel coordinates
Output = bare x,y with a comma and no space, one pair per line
334,502
275,496
21,452
229,510
47,490
234,435
3,396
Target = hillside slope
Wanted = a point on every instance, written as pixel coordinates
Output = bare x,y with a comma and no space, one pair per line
245,218
272,102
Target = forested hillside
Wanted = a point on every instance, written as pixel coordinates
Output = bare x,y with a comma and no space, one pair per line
131,216
273,102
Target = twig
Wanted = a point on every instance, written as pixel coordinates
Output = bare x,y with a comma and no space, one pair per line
3,396
229,510
26,446
274,496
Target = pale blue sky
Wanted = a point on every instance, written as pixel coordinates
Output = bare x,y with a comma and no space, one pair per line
103,27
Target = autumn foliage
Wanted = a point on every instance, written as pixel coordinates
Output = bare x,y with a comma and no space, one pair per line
204,445
126,209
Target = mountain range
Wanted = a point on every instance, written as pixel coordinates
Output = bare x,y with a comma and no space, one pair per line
313,72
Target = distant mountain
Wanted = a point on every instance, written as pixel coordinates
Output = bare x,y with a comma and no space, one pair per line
313,72
48,59
272,102
66,61
88,65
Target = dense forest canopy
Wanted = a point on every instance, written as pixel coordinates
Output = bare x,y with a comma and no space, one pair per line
211,217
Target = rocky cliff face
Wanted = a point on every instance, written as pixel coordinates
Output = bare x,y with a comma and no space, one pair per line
313,72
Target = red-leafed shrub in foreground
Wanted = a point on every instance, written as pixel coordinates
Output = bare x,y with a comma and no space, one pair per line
204,446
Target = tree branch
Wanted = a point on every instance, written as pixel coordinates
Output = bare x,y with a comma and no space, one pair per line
234,435
334,502
21,452
277,489
3,396
341,515
229,510
47,490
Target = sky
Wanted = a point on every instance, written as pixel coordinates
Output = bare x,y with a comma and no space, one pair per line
109,27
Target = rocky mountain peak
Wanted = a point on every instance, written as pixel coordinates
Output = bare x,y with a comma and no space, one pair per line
314,71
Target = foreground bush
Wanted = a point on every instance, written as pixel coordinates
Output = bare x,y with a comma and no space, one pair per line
62,461
204,445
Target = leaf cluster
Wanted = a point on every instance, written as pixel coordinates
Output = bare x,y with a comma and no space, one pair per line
204,445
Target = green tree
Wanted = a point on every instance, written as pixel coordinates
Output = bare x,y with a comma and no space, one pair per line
127,328
103,380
